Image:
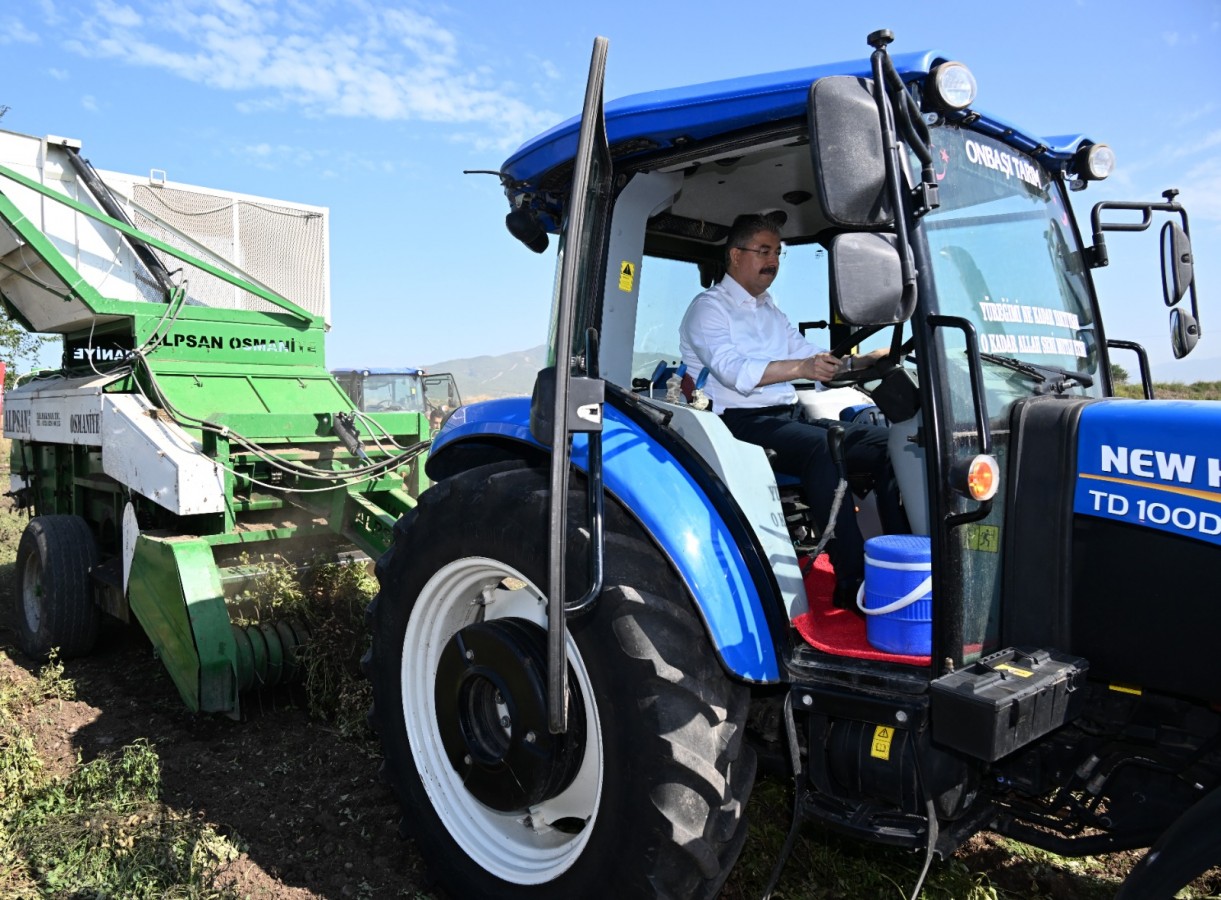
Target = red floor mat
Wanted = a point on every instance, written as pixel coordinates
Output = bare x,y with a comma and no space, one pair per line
839,631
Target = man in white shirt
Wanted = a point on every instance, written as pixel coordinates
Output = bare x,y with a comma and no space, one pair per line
753,354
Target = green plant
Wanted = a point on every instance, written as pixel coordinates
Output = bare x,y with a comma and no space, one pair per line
103,830
1173,390
328,599
100,831
338,594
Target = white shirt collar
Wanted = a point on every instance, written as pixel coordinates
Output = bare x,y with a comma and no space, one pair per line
741,296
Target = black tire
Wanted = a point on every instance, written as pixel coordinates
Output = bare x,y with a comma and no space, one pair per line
662,723
1185,851
52,593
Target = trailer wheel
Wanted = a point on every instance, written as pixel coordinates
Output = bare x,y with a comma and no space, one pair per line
53,593
644,795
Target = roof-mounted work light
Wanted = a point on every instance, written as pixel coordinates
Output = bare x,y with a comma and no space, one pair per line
1094,162
950,87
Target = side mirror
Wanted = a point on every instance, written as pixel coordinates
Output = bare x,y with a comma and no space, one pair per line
525,227
847,152
1177,267
1184,332
867,285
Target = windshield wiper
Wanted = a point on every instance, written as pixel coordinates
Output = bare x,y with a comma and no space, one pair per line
1064,378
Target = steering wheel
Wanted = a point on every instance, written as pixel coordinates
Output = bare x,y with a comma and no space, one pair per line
875,370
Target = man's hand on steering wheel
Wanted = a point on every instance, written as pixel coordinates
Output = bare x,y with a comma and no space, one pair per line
857,370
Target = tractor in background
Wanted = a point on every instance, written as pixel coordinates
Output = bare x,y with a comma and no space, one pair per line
386,390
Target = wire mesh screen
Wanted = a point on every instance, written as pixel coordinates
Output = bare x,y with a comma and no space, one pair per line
283,248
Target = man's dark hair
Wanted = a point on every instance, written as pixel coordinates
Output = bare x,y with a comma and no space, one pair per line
747,226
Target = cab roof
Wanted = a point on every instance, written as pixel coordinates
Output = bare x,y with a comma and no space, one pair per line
657,120
375,371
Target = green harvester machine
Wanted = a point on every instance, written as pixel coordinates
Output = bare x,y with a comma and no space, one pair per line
192,429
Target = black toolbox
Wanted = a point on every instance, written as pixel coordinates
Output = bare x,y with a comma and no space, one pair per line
1005,700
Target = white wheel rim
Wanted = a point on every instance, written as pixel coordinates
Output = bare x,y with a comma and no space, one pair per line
31,596
519,847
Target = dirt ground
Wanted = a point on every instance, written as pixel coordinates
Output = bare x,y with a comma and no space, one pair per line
307,806
312,815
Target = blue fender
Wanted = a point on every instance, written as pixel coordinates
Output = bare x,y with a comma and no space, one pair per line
672,508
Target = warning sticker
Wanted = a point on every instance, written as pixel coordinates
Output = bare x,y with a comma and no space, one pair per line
1013,670
882,737
982,537
627,276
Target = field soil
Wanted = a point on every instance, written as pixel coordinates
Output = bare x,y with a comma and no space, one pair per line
313,819
310,813
306,806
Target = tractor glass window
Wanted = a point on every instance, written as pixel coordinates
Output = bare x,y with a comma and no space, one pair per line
387,393
1006,259
668,286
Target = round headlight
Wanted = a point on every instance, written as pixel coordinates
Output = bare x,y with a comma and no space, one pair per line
952,87
1099,162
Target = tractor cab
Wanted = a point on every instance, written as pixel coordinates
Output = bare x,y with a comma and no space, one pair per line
912,222
401,390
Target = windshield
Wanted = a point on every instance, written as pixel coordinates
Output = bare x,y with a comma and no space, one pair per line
1005,259
393,392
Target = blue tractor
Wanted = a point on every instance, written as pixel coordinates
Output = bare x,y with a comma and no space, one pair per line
606,608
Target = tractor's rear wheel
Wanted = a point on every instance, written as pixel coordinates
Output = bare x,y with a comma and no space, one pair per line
642,797
53,593
1185,851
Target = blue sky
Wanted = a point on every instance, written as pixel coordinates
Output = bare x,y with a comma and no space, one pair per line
374,110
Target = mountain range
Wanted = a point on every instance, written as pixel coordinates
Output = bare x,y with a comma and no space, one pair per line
492,377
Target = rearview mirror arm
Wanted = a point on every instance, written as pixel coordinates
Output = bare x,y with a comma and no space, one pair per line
916,131
890,150
1096,256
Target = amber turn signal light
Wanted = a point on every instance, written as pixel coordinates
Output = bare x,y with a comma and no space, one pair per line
983,477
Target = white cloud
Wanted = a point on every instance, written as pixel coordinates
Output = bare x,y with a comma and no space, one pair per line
50,14
14,31
1196,145
120,16
58,74
549,69
266,155
1205,201
1204,110
354,59
1212,139
90,103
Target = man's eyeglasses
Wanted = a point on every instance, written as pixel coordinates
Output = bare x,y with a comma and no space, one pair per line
765,252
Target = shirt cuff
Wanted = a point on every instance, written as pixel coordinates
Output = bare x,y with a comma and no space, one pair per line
748,376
